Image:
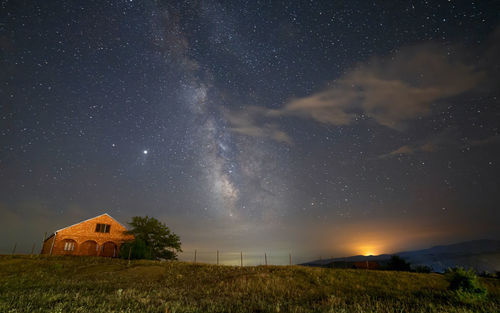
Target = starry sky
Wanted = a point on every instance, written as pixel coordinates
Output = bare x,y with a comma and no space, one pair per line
307,127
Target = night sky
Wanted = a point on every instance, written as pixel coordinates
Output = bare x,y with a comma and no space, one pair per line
317,128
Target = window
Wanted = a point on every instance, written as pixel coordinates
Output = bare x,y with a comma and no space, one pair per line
69,246
102,228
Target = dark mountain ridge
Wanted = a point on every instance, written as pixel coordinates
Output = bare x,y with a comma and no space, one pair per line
480,255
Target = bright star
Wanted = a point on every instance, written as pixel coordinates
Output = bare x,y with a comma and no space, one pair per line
145,151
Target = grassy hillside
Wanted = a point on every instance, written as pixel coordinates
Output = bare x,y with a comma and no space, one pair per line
86,284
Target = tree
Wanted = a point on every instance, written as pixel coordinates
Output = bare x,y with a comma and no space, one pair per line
153,240
396,263
137,249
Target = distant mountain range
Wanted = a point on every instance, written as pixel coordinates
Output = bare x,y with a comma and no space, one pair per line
481,255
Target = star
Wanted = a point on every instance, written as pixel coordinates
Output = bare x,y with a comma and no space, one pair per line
145,152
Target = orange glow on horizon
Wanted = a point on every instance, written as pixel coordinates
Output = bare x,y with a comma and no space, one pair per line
368,251
376,237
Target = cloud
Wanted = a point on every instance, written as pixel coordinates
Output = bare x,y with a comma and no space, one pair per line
448,138
390,90
406,149
486,141
247,123
329,107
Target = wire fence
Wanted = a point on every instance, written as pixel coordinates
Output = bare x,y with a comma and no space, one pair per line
216,257
21,249
237,258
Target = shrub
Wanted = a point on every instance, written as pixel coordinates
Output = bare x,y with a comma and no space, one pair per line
397,263
486,274
423,269
465,284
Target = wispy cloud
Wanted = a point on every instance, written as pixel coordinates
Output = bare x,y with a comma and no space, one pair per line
403,150
486,141
448,138
249,122
391,90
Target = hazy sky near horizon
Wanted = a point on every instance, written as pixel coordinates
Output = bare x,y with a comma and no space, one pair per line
312,127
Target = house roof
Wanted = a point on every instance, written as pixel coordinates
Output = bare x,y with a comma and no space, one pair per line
83,222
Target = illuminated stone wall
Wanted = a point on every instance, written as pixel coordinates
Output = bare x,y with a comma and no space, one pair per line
82,238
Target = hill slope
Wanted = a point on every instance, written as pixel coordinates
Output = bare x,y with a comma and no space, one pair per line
87,284
481,255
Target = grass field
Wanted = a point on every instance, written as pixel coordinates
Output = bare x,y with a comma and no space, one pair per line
87,284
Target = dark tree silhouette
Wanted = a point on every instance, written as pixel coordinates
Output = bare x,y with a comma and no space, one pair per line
396,263
153,240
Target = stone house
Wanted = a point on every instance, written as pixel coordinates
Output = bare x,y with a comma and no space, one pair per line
98,236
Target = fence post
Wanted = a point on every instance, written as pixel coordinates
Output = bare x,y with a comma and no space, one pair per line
217,257
129,253
43,242
241,258
265,258
194,255
53,242
290,257
32,249
14,249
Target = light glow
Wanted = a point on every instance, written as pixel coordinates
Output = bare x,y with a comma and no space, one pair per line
369,250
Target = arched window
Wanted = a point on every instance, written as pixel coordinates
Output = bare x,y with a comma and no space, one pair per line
69,245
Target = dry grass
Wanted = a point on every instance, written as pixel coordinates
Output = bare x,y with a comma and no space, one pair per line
87,284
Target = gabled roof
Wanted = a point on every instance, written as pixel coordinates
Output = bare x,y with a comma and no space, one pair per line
85,221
